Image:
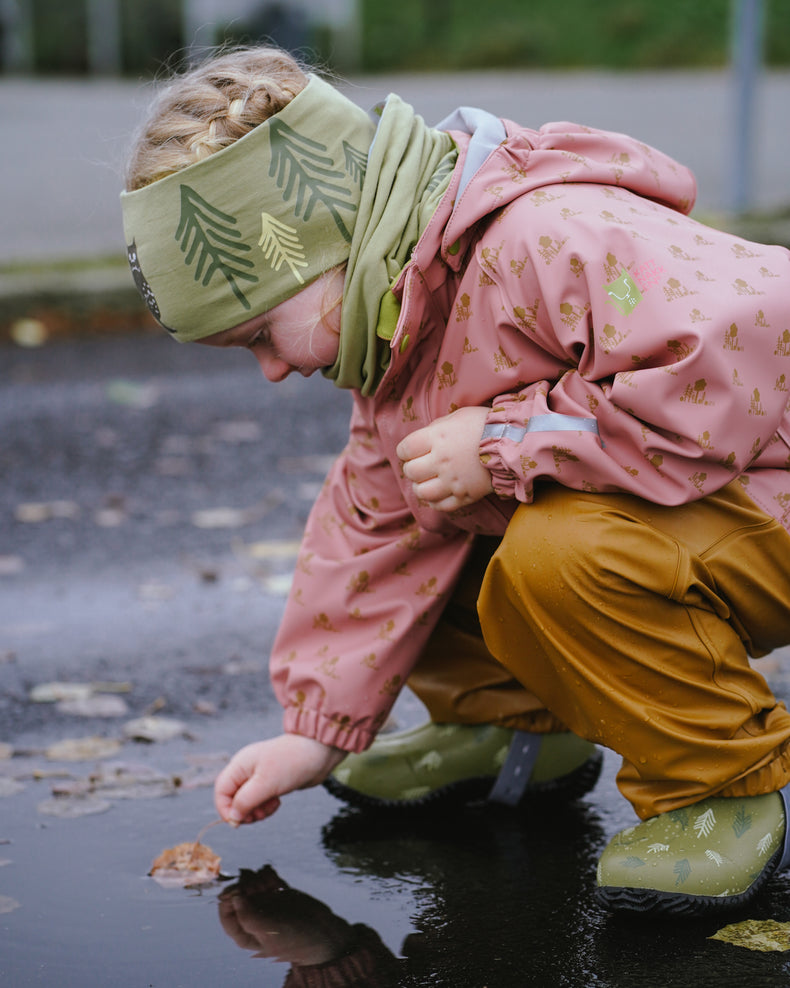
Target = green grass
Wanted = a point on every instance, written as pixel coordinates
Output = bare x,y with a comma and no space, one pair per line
540,34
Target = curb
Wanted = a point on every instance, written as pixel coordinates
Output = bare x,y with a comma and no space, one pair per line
93,297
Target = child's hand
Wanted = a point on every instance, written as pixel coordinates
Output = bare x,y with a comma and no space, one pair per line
443,460
248,789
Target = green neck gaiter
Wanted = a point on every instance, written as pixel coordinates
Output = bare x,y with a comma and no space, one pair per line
409,170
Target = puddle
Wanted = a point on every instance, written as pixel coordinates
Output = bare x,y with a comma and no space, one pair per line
320,895
88,913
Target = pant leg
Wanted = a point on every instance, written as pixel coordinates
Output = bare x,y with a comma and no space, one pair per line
458,679
634,623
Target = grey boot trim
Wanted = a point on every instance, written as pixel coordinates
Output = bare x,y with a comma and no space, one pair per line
785,859
514,776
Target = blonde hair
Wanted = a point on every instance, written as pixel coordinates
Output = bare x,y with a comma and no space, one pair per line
210,107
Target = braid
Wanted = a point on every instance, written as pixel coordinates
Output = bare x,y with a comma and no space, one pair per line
210,107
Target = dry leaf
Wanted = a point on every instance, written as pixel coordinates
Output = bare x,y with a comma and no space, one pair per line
55,692
7,904
236,517
220,518
94,706
9,787
274,549
120,781
69,807
763,935
154,729
186,865
82,749
6,751
36,511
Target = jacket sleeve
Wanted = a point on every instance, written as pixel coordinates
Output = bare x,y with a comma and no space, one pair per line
656,346
369,586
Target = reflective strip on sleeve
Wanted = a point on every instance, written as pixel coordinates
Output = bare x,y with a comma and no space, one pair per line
540,423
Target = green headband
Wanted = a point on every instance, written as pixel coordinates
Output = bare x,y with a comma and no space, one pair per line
237,233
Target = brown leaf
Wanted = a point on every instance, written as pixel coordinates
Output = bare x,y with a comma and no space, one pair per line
82,749
185,865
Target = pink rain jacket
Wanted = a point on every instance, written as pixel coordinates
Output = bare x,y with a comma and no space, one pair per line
620,345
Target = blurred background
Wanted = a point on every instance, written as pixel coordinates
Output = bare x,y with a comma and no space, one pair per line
134,37
707,81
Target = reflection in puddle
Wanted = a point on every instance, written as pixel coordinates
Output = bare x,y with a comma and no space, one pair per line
263,914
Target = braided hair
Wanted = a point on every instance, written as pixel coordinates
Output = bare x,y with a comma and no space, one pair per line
211,106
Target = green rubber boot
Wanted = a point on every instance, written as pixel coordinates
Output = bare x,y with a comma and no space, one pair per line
457,763
703,858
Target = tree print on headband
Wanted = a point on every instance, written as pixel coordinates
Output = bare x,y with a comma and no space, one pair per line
281,245
305,173
210,238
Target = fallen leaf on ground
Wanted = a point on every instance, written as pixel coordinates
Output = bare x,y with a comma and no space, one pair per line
236,517
82,749
55,692
120,781
9,787
7,904
154,729
756,934
6,751
46,510
273,549
94,706
185,865
69,807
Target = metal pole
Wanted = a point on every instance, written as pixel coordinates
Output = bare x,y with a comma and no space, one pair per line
104,37
17,22
747,63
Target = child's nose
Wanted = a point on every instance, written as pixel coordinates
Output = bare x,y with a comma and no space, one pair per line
274,368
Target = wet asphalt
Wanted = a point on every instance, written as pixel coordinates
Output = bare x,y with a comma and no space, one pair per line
152,496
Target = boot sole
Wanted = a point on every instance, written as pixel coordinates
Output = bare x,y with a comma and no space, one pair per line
673,904
568,787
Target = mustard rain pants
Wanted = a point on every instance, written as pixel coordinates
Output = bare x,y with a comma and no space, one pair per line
632,625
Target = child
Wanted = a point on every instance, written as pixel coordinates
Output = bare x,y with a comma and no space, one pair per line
569,422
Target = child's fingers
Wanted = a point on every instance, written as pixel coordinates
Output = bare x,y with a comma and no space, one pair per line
253,801
415,444
420,469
